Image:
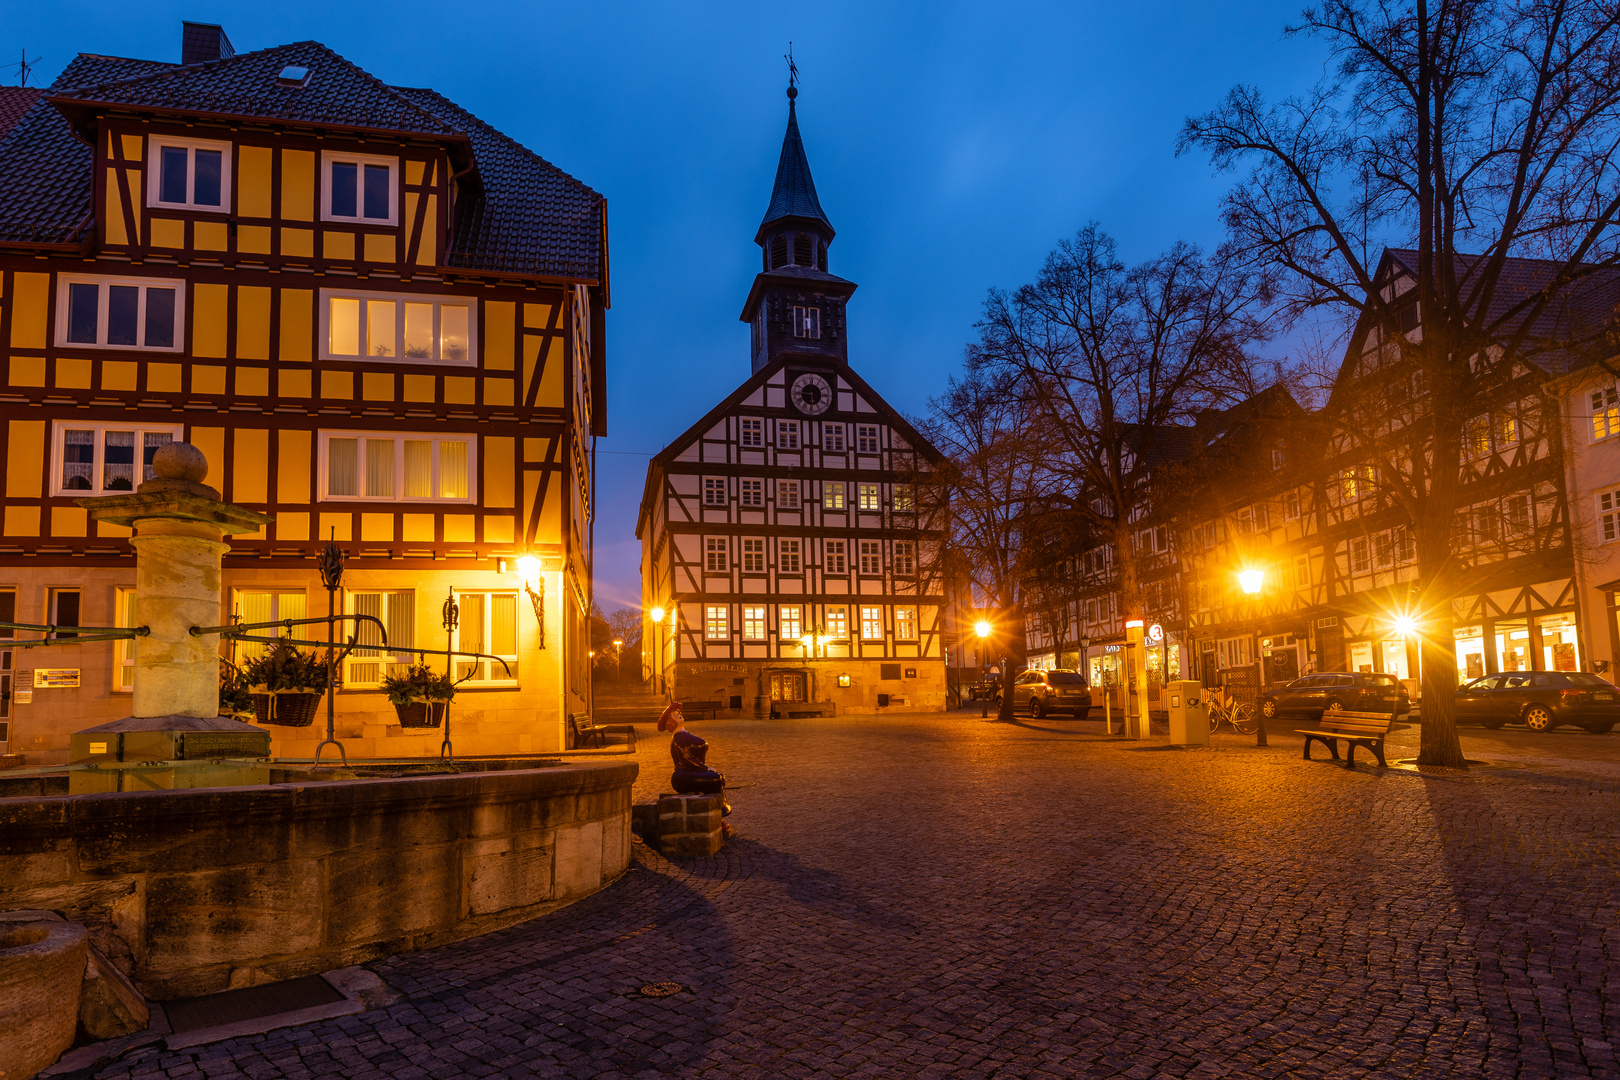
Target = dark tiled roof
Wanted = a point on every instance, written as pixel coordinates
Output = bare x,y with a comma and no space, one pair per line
794,194
44,171
530,217
15,101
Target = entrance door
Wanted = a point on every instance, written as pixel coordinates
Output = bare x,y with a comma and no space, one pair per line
790,686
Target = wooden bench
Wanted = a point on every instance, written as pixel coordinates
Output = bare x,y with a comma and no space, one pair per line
1356,729
586,732
710,707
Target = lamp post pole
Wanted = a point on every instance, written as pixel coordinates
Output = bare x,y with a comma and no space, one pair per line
331,569
1252,581
982,629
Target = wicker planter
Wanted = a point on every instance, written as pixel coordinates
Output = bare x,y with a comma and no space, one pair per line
286,708
420,714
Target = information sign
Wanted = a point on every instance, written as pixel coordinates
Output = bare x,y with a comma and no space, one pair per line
55,678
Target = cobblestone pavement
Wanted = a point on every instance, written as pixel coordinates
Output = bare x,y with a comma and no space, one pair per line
940,896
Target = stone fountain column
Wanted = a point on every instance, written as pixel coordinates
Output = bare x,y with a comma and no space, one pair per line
180,525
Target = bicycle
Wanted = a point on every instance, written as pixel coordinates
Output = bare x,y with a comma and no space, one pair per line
1240,715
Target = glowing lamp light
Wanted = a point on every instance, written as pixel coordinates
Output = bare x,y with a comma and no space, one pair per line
657,614
1133,624
982,628
1251,580
1406,626
807,641
528,568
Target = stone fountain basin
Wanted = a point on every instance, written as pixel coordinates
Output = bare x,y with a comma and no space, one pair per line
195,890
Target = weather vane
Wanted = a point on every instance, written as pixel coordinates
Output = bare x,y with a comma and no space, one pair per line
793,73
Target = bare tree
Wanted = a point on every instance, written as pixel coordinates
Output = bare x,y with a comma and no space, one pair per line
1473,133
624,627
1112,364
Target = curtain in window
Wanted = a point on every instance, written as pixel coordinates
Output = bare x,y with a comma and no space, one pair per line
401,621
380,468
344,327
342,466
118,473
366,633
418,468
154,441
503,625
471,638
78,459
452,469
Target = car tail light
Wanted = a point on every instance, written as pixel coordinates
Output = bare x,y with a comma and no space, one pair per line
1570,697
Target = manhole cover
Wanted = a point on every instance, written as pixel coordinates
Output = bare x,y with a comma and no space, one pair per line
661,989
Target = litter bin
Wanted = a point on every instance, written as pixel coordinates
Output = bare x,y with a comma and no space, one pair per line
1189,724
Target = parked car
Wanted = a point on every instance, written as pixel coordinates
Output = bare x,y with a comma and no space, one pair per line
1541,700
987,686
1060,690
1332,691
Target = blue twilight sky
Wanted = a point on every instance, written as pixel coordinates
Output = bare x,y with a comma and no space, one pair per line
952,144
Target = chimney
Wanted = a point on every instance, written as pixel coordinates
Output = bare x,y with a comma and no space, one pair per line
202,42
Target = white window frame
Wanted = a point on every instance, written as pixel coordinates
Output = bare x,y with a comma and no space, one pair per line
154,173
716,555
716,616
790,621
871,550
331,157
787,435
59,429
869,621
753,553
789,556
905,624
754,620
489,672
807,322
1605,403
751,432
249,649
868,434
787,495
755,488
837,557
715,486
904,499
837,620
869,497
398,650
399,300
324,439
905,557
833,495
833,434
125,612
1290,506
63,281
1608,515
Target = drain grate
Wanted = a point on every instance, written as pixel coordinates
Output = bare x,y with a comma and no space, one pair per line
661,989
232,1006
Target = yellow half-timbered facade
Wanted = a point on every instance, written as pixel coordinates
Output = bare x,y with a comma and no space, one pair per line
380,319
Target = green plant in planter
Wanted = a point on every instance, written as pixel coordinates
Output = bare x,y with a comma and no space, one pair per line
419,683
284,669
235,699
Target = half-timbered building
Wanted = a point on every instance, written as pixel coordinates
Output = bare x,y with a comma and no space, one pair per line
380,318
790,537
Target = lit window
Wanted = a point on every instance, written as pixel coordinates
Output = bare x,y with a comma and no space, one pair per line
361,466
871,497
872,623
359,188
832,496
370,663
1605,413
753,432
787,494
790,621
262,606
838,623
128,615
95,459
714,623
753,556
787,434
404,327
753,622
119,313
904,499
905,624
188,174
714,491
905,557
871,557
787,556
837,552
715,559
488,624
806,322
753,492
1477,436
832,438
866,439
1608,509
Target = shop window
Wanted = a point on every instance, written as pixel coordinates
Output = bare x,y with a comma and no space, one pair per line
1560,650
488,625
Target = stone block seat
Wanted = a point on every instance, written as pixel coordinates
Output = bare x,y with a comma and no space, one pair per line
681,825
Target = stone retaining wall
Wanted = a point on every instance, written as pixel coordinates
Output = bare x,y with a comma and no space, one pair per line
200,890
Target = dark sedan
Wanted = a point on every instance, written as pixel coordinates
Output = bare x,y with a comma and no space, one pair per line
1332,691
1541,700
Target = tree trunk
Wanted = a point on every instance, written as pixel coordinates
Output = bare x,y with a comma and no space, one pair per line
1435,614
1005,713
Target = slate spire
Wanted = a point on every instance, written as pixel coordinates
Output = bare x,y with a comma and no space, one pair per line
794,195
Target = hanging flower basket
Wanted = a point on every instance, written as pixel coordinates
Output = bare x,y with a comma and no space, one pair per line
286,708
286,686
419,696
419,714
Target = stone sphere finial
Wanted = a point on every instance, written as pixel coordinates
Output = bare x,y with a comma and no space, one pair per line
179,461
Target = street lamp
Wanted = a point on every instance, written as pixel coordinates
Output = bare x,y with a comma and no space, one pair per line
982,628
1251,580
657,616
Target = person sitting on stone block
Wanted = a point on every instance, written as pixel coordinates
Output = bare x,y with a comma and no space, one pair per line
692,774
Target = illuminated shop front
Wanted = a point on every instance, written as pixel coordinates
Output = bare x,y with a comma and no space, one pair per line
1544,643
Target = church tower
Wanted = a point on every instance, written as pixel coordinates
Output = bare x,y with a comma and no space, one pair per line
796,308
